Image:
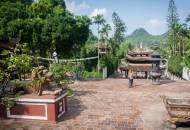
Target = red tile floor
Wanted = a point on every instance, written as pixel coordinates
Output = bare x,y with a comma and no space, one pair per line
110,105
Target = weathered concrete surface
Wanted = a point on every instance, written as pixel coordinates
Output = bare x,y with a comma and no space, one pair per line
111,105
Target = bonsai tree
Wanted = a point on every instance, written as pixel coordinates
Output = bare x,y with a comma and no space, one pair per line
62,73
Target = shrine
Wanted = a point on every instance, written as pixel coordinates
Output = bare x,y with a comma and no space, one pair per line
146,63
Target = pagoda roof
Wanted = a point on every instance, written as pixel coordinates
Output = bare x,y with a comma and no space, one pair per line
139,53
141,58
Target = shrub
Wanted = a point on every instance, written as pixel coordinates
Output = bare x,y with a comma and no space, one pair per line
175,65
20,86
187,61
110,62
93,74
60,71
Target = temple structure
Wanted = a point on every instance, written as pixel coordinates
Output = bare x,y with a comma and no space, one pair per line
144,62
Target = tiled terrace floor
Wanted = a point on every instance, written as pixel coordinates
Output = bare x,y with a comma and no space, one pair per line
111,105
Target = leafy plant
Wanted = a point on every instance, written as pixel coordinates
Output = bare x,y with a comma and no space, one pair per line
70,92
7,101
2,75
19,86
175,65
20,63
60,70
93,74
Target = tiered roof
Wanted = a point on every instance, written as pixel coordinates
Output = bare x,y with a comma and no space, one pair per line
141,59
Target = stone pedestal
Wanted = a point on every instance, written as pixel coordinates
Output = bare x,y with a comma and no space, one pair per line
48,108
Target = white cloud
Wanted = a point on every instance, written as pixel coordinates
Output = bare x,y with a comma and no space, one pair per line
156,26
76,8
102,11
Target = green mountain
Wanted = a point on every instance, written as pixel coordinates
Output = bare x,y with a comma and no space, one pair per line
141,35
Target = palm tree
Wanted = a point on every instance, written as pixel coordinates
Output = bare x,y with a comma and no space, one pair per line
99,20
105,32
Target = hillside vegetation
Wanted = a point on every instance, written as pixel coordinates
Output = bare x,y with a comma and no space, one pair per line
141,35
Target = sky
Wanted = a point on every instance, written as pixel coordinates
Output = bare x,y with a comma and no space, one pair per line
148,14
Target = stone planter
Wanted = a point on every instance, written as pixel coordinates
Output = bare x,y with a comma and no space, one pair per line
48,108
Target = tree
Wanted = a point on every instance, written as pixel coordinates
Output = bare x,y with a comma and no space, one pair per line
105,32
172,17
119,28
99,20
173,20
41,9
92,39
188,18
46,25
20,61
10,11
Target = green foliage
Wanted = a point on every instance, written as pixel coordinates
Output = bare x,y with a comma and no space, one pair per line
19,61
92,74
2,75
111,62
46,25
99,20
123,49
70,92
7,101
19,86
173,17
175,65
89,50
119,28
10,11
141,35
60,71
92,39
104,32
41,9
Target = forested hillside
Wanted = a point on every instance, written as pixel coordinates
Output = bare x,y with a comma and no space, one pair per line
141,35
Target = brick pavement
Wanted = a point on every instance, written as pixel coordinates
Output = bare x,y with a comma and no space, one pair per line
111,105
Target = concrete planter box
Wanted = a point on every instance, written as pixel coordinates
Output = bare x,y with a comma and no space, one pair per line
49,108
